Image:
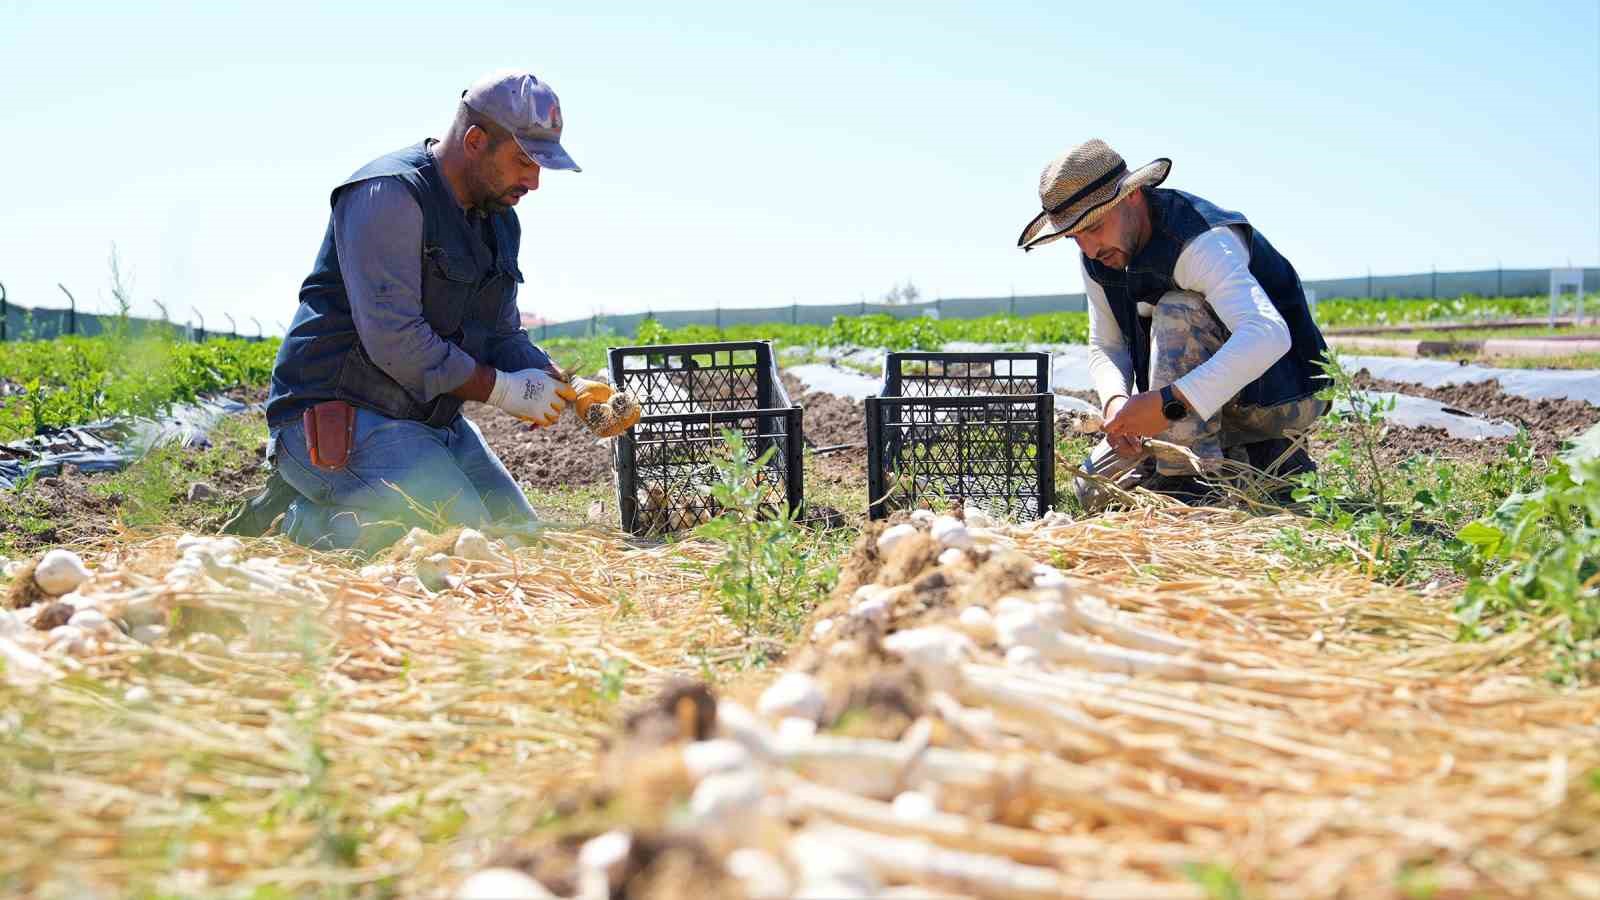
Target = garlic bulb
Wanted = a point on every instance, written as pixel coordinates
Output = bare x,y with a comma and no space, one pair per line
472,544
92,621
59,572
67,639
704,758
502,884
760,873
977,518
795,694
935,646
950,532
894,535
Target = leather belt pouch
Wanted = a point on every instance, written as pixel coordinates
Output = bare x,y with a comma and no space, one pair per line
330,430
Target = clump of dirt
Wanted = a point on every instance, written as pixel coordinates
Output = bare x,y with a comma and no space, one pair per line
53,616
658,866
830,420
24,591
565,453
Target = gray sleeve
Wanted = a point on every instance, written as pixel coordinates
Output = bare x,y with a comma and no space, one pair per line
509,348
377,231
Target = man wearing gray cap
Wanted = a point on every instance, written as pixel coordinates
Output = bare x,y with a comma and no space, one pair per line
409,311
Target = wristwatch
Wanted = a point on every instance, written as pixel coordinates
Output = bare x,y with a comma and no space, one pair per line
1171,407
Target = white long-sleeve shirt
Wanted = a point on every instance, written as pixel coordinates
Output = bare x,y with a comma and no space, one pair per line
1215,265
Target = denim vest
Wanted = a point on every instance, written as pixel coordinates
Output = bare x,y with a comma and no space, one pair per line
464,287
1176,218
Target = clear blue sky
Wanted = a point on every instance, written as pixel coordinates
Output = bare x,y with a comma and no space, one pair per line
748,154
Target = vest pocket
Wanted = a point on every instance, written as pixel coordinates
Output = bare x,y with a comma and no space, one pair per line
361,382
447,282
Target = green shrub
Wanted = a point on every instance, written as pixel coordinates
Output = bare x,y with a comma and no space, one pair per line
1538,554
1357,311
766,581
76,379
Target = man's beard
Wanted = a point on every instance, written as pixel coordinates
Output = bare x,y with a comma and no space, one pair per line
486,198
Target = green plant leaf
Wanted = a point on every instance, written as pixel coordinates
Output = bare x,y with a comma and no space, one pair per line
1482,534
1585,448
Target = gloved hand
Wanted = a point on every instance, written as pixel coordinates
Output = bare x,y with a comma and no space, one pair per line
532,395
603,410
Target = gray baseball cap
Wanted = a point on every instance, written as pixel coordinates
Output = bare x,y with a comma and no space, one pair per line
526,107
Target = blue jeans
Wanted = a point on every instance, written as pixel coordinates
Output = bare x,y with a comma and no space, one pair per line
364,506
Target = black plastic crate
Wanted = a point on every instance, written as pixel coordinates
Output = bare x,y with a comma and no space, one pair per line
974,428
687,394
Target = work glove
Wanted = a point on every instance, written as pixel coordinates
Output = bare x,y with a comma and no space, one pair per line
532,395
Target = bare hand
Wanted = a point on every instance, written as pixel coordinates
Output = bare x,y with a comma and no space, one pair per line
1125,447
1137,418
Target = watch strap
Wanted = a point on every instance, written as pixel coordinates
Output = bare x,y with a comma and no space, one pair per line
1170,404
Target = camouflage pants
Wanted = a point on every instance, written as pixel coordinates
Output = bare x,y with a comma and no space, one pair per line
1184,333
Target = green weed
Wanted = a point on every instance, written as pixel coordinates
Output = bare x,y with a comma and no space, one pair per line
1396,522
1216,880
768,578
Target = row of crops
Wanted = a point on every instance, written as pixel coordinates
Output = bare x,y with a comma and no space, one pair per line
70,380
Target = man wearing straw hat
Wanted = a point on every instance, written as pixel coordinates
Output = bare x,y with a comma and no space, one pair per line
1199,332
410,310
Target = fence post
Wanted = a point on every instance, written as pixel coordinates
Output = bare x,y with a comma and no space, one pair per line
719,317
5,311
72,309
1499,280
593,321
1011,308
794,313
259,335
202,332
1433,285
233,329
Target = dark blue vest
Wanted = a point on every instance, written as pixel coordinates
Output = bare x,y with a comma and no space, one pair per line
1177,218
465,285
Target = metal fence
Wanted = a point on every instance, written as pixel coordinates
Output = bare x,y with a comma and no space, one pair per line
19,323
1445,285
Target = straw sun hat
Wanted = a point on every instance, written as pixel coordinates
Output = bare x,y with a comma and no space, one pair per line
1081,186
